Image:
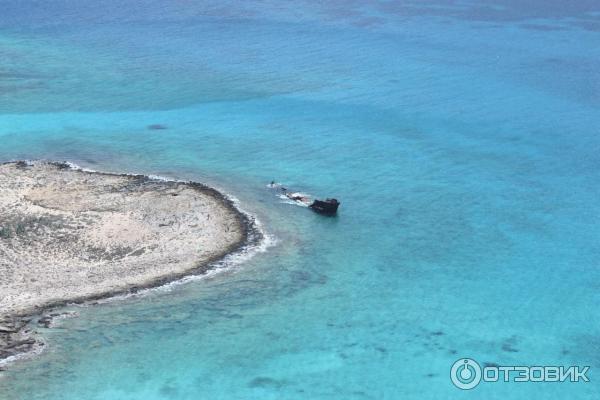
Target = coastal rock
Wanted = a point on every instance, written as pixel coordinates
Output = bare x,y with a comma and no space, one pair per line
68,235
7,329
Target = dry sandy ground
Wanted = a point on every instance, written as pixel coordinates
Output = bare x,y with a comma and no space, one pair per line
70,235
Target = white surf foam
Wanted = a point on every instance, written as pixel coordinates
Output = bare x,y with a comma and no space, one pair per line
287,200
36,350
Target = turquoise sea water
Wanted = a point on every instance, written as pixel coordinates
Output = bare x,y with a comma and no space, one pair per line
461,137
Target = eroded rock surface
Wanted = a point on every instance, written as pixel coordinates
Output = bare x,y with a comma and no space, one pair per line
67,234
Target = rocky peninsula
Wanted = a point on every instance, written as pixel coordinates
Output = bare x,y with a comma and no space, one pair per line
69,235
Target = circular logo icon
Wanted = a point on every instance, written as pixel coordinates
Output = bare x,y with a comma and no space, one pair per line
465,373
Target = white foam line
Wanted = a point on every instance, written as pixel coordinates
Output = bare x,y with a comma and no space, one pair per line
77,167
37,349
287,200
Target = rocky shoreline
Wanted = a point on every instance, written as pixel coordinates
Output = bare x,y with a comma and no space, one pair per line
70,236
15,339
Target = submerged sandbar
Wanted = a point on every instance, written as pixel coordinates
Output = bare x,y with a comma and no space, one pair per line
72,235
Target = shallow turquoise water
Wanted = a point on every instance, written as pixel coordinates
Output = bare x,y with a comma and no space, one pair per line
461,139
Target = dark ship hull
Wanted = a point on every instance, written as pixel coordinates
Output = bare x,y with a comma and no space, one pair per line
326,207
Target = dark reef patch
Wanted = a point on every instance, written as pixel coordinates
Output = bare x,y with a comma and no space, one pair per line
266,382
156,127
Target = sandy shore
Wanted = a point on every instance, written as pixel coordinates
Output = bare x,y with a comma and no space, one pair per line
68,235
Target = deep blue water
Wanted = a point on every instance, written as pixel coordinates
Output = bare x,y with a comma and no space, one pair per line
461,137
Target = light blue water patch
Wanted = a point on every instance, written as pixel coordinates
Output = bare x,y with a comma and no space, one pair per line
462,141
